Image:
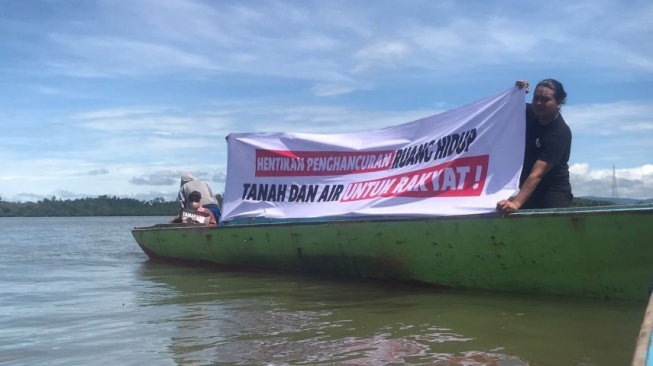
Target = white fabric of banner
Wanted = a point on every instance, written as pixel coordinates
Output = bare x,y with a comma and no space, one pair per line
459,162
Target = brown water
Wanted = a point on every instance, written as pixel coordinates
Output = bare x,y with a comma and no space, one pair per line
80,292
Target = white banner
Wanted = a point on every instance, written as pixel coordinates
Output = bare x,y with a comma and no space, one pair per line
462,161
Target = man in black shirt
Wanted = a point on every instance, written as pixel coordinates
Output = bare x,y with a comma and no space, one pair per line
544,180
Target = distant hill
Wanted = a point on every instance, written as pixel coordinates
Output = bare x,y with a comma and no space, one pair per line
619,201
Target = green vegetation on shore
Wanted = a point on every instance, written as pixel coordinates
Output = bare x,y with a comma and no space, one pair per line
583,202
116,206
100,206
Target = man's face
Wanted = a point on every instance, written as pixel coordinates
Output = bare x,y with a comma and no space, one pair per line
195,204
545,105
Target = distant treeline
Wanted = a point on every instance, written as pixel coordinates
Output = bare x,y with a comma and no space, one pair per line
100,206
116,206
583,202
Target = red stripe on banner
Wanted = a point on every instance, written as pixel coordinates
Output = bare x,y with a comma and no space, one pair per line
457,178
284,163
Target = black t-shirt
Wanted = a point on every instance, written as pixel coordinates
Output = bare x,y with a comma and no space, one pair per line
552,144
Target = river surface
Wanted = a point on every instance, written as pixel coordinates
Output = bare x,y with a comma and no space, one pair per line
79,291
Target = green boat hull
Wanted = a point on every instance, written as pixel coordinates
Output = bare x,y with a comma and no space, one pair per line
605,252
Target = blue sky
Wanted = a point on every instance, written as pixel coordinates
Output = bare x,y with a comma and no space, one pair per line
119,97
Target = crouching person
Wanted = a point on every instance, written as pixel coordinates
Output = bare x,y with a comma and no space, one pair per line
191,184
194,213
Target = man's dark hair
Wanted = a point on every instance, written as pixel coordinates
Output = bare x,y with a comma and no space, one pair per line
558,90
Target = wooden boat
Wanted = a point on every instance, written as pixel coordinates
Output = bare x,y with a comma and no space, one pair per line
644,350
603,252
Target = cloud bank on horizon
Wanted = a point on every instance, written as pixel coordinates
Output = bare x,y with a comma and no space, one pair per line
120,97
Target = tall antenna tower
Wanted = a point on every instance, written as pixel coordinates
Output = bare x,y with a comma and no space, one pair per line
615,195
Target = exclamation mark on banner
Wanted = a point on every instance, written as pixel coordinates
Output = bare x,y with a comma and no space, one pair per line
479,170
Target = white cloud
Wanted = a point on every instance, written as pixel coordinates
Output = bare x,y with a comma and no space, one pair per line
98,172
219,177
634,182
382,54
54,91
156,125
610,118
615,133
328,89
120,56
114,113
158,178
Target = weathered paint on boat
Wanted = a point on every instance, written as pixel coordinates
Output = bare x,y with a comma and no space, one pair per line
644,351
604,252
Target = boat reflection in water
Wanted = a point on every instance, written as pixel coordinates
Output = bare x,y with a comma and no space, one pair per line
269,318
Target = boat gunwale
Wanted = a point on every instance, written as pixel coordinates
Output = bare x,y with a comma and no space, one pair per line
569,211
642,355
